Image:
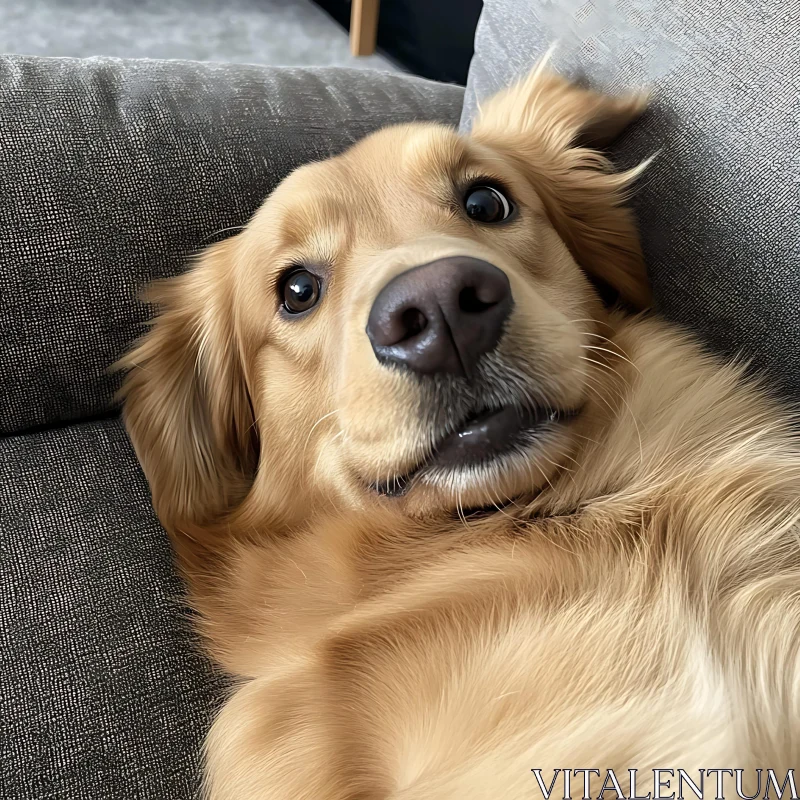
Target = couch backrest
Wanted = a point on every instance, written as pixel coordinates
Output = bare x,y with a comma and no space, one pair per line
719,208
114,172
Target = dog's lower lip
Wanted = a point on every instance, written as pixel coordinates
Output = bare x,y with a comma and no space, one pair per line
488,434
479,438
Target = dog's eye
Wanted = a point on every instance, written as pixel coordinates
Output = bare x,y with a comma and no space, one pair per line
487,204
300,291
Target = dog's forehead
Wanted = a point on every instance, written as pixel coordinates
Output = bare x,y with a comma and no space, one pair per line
367,187
416,153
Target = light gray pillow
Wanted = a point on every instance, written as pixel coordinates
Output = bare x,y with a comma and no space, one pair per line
720,207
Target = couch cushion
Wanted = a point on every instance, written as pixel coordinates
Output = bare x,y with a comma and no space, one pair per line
114,171
103,691
720,207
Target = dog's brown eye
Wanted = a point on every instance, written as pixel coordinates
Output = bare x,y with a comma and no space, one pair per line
300,291
487,204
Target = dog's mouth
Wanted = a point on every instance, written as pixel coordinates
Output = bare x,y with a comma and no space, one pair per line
480,439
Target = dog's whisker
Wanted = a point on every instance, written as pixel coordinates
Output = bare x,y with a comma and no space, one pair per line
535,463
314,427
598,395
590,320
460,510
223,230
606,367
559,467
586,439
615,353
627,405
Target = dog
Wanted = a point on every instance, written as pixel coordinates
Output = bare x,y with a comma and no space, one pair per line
447,513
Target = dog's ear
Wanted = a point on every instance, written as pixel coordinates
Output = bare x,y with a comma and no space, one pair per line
551,129
186,403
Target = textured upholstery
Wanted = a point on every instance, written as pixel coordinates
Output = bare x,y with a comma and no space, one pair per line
103,693
720,207
114,172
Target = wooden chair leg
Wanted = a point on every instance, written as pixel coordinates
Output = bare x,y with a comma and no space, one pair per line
363,27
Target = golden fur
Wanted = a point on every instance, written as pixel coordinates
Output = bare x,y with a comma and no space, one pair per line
634,600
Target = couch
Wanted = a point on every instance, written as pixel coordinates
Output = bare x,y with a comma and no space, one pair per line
115,173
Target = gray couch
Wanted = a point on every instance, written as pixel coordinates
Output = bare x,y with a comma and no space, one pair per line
114,173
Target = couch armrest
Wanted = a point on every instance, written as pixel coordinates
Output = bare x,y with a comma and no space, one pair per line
114,172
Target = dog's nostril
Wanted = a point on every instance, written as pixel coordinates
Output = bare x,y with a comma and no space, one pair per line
414,322
441,317
469,302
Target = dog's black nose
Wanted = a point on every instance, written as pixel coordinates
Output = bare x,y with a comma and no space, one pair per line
440,317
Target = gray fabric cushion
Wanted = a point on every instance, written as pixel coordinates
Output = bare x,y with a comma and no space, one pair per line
114,171
720,207
103,692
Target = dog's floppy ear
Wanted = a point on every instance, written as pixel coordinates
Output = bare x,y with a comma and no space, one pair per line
551,128
187,406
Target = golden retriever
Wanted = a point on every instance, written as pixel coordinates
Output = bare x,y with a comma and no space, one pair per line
450,518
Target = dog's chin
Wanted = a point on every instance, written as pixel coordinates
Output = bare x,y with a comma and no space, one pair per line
488,460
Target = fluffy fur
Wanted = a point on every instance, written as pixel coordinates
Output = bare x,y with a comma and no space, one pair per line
630,597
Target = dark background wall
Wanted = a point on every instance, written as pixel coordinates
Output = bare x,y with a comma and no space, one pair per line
431,38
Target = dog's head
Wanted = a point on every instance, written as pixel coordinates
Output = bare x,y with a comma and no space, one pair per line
406,323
